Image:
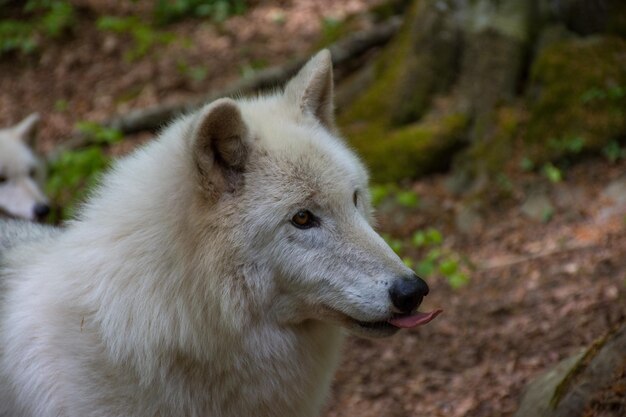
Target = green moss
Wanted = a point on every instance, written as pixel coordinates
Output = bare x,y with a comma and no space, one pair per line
489,156
578,368
374,105
410,151
419,63
396,147
581,86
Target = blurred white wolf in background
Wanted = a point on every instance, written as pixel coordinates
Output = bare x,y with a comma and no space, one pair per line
20,170
210,273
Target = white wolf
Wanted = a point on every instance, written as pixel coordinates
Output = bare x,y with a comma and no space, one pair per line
210,273
20,170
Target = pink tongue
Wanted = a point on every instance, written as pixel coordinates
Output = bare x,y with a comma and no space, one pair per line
414,320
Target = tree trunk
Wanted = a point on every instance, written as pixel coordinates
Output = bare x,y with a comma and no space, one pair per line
489,62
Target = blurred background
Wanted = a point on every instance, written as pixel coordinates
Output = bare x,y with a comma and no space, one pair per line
495,131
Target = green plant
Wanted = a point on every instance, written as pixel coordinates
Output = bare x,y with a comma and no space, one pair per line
547,214
527,164
332,29
168,11
144,36
613,151
194,73
592,107
17,36
40,19
403,198
249,69
58,17
553,173
72,175
439,260
99,134
615,92
407,198
61,105
567,145
379,193
428,237
74,172
504,182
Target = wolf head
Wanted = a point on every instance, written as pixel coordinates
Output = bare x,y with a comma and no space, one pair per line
296,202
20,170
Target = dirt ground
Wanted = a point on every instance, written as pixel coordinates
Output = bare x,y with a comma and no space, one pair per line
87,74
539,291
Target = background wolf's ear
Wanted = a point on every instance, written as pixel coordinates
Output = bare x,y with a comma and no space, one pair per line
26,129
312,89
220,147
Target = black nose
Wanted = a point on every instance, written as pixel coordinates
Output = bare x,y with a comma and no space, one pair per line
407,293
41,210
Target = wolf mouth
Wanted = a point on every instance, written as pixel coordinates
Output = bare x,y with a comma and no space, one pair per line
375,325
403,321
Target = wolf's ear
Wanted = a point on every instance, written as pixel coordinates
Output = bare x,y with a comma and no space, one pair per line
312,89
221,146
26,129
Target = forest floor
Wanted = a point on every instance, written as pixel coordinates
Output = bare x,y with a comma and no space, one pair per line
539,290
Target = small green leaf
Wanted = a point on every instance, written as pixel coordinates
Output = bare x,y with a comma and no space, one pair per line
419,239
552,173
61,105
527,164
458,280
425,268
379,193
434,237
616,92
613,152
448,267
547,215
408,199
592,94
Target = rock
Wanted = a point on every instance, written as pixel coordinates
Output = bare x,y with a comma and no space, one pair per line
468,219
536,400
538,207
569,388
616,191
569,197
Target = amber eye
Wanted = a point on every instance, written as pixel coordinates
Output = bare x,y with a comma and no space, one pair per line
303,219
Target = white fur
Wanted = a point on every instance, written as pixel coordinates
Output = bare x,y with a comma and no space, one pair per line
159,301
19,192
